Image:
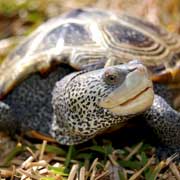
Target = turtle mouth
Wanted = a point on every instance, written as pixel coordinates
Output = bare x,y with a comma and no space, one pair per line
136,104
135,97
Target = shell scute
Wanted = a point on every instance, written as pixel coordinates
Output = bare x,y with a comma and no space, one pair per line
124,34
22,49
68,34
145,25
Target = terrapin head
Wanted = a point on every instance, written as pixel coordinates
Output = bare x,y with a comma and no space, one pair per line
90,103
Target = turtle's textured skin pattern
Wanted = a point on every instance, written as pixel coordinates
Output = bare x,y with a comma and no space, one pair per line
90,36
165,121
164,91
30,102
8,122
77,111
32,108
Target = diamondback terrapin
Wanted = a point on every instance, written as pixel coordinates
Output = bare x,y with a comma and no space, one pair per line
96,98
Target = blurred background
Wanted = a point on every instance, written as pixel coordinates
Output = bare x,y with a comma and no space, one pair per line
19,17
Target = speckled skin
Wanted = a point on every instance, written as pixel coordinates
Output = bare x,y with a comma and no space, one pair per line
165,122
67,109
75,100
30,102
8,122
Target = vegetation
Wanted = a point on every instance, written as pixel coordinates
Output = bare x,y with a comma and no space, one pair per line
24,158
48,161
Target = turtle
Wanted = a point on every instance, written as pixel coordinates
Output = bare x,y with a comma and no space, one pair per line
90,71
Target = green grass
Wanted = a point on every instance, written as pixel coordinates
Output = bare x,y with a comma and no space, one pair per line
48,161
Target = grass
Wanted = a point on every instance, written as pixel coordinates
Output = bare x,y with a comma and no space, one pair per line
51,161
26,159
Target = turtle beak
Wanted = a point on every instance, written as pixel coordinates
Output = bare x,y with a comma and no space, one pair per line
133,95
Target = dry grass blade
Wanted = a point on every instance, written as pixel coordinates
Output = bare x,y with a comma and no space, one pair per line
42,150
92,171
156,170
171,158
41,163
102,175
62,159
93,164
174,170
34,155
137,174
160,166
107,165
82,174
13,172
26,162
113,160
5,173
28,174
43,171
134,151
73,172
93,174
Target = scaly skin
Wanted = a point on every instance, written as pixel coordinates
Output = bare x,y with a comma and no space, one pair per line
165,123
8,122
30,102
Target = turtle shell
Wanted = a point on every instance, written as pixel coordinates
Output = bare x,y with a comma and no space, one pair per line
90,36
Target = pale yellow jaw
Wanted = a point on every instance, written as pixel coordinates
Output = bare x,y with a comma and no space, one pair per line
133,96
136,105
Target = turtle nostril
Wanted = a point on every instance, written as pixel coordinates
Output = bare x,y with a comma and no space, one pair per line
142,69
136,64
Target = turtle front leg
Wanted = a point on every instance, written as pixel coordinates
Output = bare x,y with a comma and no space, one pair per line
8,123
165,122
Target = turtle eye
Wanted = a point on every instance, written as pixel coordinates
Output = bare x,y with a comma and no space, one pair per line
113,76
